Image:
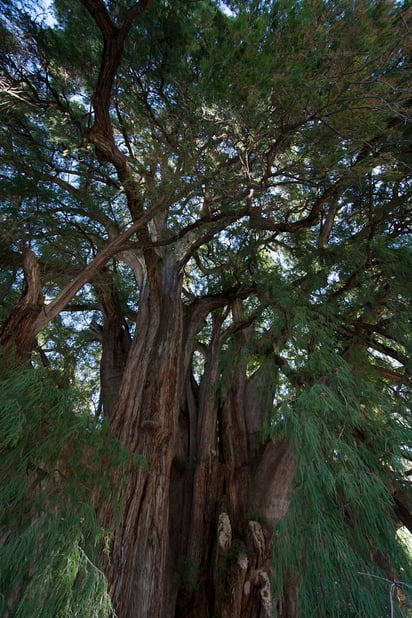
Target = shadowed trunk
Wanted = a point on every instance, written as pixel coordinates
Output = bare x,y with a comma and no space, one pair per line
195,535
17,334
145,419
238,492
115,339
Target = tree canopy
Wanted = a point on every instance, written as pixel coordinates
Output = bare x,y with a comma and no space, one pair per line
205,212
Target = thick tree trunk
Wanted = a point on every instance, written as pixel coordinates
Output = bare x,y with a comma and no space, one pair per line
145,419
239,490
195,537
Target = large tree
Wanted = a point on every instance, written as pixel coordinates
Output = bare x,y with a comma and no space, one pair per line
204,343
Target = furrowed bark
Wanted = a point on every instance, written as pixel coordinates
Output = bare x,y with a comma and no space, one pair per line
206,487
145,419
226,564
116,342
17,333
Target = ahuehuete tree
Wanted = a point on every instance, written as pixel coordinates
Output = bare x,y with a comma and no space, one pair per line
205,276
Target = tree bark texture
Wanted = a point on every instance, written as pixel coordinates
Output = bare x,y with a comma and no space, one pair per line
195,537
115,339
17,335
145,419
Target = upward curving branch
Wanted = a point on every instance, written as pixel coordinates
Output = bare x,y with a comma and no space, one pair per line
101,133
89,272
31,314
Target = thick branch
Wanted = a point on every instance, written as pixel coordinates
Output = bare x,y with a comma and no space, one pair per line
197,312
18,329
101,16
101,133
117,244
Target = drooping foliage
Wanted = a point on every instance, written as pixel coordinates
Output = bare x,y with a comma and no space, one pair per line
56,468
246,166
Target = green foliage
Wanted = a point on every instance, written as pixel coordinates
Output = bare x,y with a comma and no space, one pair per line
349,439
73,58
56,467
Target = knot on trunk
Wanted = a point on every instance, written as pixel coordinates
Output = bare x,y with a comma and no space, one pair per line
258,540
224,532
265,593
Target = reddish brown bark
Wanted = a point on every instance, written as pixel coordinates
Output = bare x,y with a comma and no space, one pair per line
195,535
226,512
17,334
115,339
187,544
145,419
